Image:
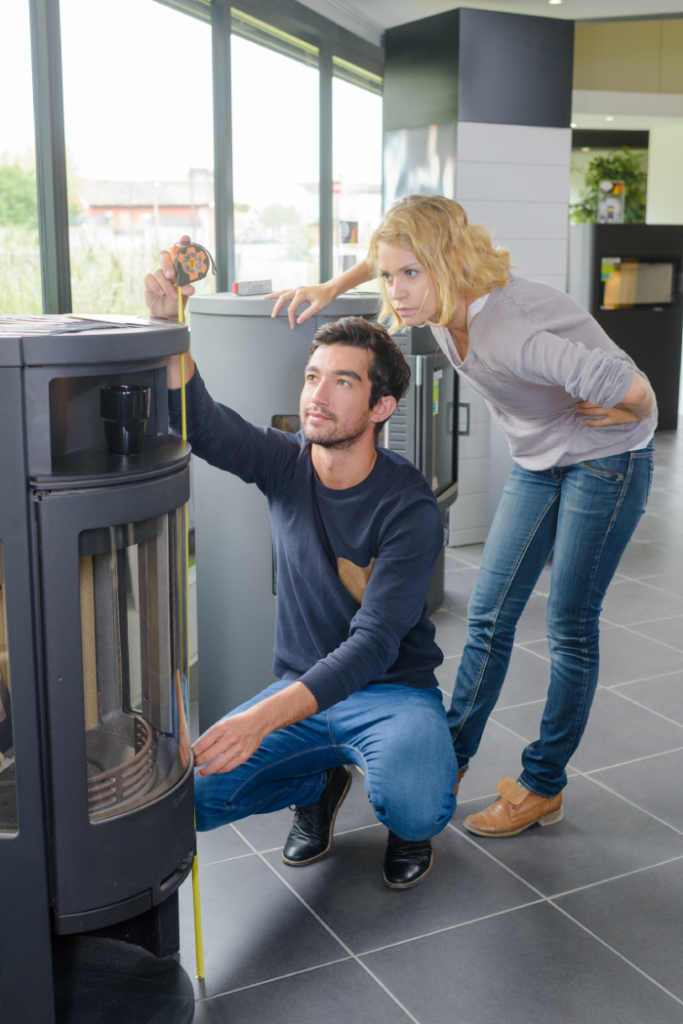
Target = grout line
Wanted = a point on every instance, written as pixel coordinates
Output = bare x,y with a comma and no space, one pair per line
327,928
644,707
647,622
210,863
615,878
452,927
652,639
269,981
561,910
535,653
635,760
644,679
475,799
524,704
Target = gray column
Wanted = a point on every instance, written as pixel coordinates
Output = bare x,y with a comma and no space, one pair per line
222,145
326,209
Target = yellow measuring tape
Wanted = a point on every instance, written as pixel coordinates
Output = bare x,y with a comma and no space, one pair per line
196,901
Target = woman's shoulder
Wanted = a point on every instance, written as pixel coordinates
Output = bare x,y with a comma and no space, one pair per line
535,305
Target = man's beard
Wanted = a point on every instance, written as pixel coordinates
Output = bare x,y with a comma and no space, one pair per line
335,440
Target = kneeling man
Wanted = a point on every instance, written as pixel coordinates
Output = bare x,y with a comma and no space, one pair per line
356,535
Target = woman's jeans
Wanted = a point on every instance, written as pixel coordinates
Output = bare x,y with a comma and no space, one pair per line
586,515
397,735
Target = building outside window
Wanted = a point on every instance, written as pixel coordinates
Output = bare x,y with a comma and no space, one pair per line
357,164
275,138
19,248
139,145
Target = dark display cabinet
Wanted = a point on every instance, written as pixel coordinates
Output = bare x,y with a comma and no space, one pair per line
630,277
96,807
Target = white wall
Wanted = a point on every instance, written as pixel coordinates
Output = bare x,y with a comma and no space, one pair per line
514,179
665,176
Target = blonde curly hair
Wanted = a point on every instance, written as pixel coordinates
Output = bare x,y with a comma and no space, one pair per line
458,256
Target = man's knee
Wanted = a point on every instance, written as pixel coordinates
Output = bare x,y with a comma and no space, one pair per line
421,820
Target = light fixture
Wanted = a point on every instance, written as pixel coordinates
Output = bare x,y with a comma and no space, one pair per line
585,149
609,119
573,125
554,1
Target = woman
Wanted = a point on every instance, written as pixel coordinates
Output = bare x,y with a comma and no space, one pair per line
580,420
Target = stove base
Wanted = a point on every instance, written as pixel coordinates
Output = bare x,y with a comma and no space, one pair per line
104,981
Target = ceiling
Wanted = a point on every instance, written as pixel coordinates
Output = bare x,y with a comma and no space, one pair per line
369,18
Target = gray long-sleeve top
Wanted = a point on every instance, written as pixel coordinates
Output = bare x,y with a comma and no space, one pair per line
534,352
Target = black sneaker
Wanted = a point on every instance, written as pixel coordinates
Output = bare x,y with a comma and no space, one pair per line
406,863
311,834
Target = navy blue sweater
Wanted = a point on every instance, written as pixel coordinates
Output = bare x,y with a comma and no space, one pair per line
323,636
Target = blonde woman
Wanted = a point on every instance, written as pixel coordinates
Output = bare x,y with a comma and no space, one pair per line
580,420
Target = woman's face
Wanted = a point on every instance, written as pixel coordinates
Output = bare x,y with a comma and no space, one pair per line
409,287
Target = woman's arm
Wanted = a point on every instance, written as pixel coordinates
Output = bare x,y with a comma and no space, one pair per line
319,295
637,404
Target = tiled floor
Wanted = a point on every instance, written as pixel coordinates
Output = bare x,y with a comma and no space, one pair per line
581,923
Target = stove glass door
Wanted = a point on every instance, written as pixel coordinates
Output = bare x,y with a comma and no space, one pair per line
133,635
8,786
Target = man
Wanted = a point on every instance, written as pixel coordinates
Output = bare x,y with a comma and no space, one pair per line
356,535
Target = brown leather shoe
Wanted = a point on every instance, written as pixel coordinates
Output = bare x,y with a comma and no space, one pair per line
514,811
461,774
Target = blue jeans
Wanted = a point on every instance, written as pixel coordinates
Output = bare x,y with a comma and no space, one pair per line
397,735
586,514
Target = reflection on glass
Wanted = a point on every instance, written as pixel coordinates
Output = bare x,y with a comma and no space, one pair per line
419,160
275,166
133,631
357,164
443,438
8,785
19,248
138,178
628,281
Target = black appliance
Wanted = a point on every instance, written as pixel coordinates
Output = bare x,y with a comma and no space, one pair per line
630,277
424,429
96,805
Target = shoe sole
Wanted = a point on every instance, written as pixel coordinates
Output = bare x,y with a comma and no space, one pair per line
408,885
311,860
548,819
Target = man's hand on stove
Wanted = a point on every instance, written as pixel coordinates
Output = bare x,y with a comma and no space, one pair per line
232,741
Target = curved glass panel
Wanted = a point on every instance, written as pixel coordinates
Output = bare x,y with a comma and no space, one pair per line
8,785
133,636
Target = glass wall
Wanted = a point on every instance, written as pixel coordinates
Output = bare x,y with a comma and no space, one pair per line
19,250
275,140
139,137
357,163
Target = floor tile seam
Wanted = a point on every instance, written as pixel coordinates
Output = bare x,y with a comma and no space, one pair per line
522,647
269,981
474,799
631,803
650,586
644,679
658,714
487,853
623,764
452,927
646,622
654,640
329,930
524,704
615,878
616,952
225,860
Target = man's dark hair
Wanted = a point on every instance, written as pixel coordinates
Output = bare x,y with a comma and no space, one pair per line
388,370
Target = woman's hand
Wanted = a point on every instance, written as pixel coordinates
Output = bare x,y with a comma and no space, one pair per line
319,296
161,295
599,416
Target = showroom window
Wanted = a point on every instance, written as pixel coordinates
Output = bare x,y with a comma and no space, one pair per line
139,145
19,248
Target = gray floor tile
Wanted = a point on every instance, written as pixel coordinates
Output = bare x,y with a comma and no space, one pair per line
653,784
601,836
347,891
672,582
532,966
468,553
626,657
499,754
527,679
658,528
338,994
647,559
459,584
451,632
617,731
531,625
664,695
640,916
630,602
220,844
249,919
269,831
667,631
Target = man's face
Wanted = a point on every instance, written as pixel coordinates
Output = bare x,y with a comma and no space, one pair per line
335,401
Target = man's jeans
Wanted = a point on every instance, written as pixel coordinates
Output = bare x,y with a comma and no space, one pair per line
586,513
397,735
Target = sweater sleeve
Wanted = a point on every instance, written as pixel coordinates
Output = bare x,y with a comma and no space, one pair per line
392,605
589,375
220,436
